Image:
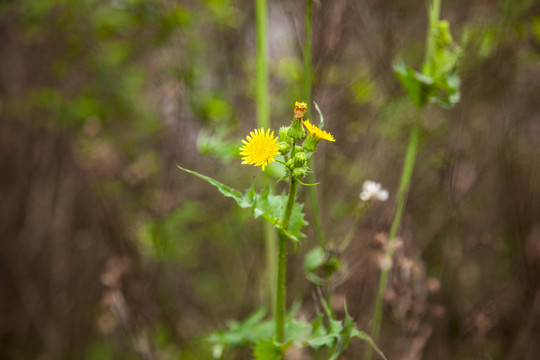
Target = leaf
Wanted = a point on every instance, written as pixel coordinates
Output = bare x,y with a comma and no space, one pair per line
224,189
267,350
297,331
271,207
321,125
415,84
365,337
438,83
320,264
319,338
338,335
349,331
246,333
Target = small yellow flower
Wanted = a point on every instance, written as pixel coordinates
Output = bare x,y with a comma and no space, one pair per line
318,133
300,109
260,149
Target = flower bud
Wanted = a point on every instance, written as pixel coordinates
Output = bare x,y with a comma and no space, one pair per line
290,164
284,148
296,131
299,159
283,135
299,173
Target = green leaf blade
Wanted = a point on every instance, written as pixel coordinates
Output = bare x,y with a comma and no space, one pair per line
224,189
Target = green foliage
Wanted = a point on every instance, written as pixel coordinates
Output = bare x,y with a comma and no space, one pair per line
324,331
215,145
438,82
319,265
247,333
162,239
268,350
271,207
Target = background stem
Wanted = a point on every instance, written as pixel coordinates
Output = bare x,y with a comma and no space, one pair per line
263,120
263,113
434,13
401,199
282,265
312,190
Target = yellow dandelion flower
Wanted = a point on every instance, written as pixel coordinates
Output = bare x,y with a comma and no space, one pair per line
318,133
300,109
260,149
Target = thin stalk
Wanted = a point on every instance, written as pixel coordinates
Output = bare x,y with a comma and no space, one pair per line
352,230
263,120
312,191
315,208
401,199
410,158
307,56
282,265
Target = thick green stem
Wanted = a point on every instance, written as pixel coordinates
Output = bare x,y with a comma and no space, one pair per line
401,199
282,265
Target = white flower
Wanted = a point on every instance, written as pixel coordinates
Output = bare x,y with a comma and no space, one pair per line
373,190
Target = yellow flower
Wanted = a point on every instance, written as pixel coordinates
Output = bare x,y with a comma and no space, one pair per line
260,148
318,133
300,109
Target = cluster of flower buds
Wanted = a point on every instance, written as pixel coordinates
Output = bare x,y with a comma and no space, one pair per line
296,157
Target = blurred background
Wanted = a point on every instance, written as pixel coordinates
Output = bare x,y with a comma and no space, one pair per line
109,251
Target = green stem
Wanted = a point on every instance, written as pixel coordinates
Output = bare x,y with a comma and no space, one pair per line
408,167
282,265
401,199
352,230
262,65
263,120
434,16
307,57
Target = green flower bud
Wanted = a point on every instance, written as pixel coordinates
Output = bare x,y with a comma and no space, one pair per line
300,159
299,173
310,144
290,164
284,148
283,137
296,131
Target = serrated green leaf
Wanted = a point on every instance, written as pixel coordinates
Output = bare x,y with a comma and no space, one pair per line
267,205
246,333
271,207
224,189
297,331
268,350
318,331
365,337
